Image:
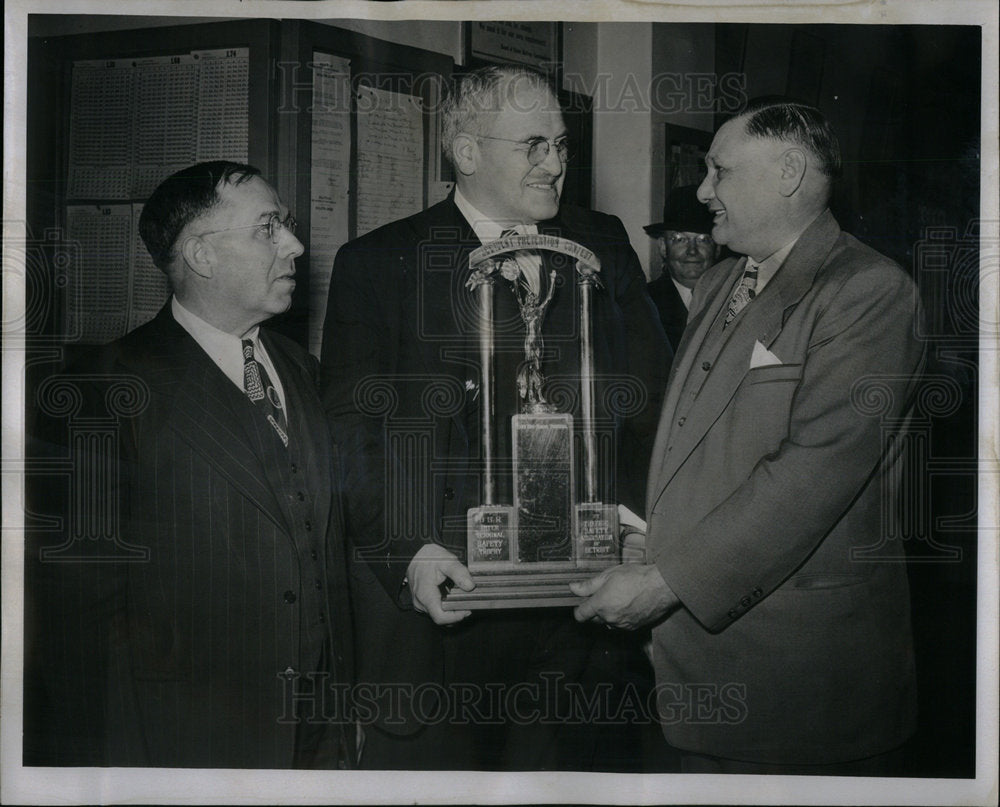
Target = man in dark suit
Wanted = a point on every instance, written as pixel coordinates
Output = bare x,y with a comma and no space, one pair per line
402,389
212,630
688,251
781,643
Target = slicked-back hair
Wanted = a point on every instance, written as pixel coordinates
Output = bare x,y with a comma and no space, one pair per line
180,199
488,89
794,122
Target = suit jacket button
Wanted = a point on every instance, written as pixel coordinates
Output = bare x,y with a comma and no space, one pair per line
745,602
308,525
706,366
289,596
300,496
681,421
733,613
449,494
758,592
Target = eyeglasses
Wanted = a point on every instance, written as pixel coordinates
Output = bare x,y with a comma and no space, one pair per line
538,147
274,225
701,239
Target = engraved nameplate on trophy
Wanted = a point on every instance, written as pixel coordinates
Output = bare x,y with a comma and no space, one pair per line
525,553
543,487
492,537
596,534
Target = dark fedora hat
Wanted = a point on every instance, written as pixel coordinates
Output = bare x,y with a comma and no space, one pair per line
684,213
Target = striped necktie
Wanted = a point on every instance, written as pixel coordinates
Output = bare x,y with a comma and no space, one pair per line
745,292
259,389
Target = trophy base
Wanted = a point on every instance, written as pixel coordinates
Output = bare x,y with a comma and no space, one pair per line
534,589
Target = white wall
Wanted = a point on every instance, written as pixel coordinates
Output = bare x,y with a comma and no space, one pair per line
619,64
617,73
686,51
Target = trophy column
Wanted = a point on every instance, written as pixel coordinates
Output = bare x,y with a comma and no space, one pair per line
492,527
596,524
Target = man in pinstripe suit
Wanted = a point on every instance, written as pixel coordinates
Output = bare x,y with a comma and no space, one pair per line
222,640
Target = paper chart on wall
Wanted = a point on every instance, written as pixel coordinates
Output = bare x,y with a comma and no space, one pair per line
150,289
133,122
114,286
166,119
390,157
100,144
223,104
98,288
330,181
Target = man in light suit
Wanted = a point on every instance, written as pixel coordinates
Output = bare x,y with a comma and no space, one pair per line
401,385
780,642
214,630
688,251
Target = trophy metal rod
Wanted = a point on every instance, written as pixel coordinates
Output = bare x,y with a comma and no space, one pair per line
587,391
486,391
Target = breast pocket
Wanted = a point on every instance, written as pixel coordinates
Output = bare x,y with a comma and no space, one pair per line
762,408
773,373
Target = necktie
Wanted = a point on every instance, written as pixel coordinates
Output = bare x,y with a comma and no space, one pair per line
524,260
745,292
261,391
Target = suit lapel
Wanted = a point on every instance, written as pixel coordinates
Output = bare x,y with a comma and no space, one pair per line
439,322
710,295
207,411
306,421
761,322
672,308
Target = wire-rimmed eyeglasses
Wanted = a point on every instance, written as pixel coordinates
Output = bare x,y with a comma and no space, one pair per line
676,238
274,225
538,147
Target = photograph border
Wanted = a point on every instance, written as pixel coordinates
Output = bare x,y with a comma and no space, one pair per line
22,785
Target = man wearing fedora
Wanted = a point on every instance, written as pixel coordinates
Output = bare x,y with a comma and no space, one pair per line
688,250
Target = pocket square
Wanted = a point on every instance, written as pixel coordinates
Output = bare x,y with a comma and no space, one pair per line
762,357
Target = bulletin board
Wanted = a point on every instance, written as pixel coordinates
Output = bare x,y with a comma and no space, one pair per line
344,125
122,111
372,107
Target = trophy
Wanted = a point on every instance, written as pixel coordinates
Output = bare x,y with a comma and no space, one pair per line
525,554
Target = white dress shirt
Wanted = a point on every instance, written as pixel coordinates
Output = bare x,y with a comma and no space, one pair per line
486,230
225,349
684,292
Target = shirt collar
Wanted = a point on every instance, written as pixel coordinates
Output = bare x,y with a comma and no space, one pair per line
684,292
222,348
483,226
772,263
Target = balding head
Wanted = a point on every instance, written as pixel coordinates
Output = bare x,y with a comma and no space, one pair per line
770,171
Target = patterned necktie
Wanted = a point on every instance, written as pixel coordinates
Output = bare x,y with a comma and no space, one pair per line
523,261
745,292
261,391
